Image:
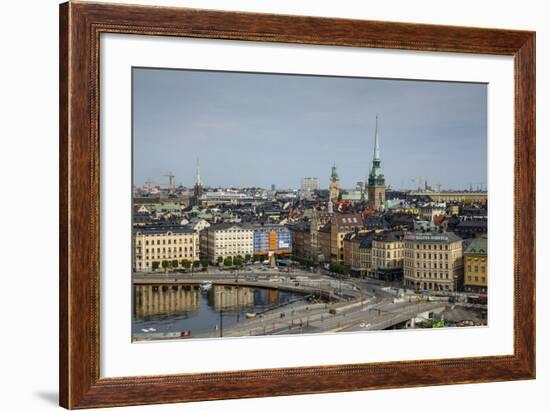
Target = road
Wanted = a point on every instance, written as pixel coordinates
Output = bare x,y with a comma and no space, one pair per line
356,304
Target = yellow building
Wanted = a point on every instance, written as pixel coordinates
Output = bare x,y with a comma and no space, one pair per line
324,243
448,196
433,261
155,244
357,252
340,225
387,255
475,266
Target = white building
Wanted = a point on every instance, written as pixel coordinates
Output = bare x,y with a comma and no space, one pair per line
228,240
310,184
428,212
155,244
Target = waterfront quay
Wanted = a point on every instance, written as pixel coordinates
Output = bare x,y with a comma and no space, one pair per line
319,302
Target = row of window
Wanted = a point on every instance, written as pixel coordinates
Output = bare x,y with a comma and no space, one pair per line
384,245
477,279
138,250
429,274
169,241
388,264
420,285
409,263
427,246
165,257
428,256
387,254
476,269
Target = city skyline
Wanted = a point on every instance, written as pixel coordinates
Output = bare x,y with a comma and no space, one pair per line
286,127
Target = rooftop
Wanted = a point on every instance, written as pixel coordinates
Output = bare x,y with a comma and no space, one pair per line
477,246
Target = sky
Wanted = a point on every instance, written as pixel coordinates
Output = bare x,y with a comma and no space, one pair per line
255,130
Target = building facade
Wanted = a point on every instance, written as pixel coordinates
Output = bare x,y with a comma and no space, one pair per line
310,184
229,240
357,252
340,225
376,185
433,261
475,266
387,256
324,243
429,212
155,244
272,239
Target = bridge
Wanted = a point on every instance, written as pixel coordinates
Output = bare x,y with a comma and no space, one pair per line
330,289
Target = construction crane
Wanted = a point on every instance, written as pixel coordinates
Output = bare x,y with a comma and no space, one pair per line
419,180
478,185
170,176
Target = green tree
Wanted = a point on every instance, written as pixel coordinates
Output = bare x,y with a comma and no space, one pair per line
247,258
204,264
155,265
175,264
196,264
186,264
339,268
165,265
238,260
259,257
228,261
220,260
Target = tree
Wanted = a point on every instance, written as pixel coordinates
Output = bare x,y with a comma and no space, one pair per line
155,265
175,264
204,264
238,260
259,257
228,262
247,258
165,265
339,268
220,260
196,264
186,264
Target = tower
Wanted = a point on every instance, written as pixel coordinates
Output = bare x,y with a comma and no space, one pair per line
376,184
197,189
334,185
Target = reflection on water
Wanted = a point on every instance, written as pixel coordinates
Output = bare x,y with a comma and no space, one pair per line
169,308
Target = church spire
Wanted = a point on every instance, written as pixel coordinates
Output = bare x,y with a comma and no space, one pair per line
376,185
376,156
198,178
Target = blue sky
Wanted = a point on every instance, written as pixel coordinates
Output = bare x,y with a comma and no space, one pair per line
252,129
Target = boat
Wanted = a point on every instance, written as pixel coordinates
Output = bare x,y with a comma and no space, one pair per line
206,285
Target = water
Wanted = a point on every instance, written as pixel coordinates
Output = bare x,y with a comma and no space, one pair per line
186,308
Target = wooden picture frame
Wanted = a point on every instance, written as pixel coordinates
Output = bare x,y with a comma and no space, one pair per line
80,27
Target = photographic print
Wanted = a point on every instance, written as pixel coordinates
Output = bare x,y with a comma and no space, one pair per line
274,204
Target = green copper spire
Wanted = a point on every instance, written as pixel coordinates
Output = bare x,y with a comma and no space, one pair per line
376,176
376,143
334,173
